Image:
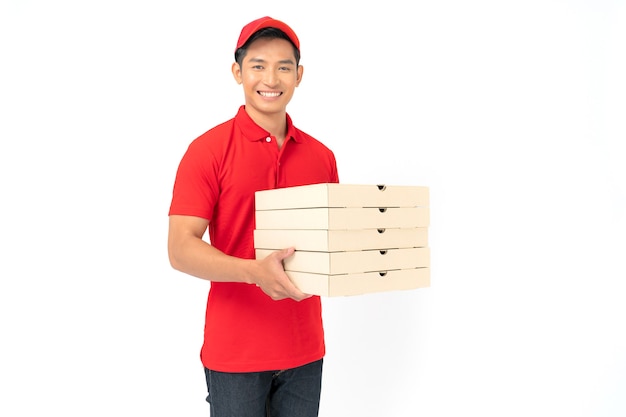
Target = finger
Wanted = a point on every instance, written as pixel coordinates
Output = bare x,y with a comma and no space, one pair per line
294,292
302,297
286,253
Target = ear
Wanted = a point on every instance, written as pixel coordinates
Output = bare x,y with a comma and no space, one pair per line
300,72
236,69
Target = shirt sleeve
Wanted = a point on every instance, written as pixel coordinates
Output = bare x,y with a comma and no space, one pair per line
196,186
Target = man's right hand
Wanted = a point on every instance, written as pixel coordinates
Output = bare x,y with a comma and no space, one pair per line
273,280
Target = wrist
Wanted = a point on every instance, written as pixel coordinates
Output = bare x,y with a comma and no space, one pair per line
251,271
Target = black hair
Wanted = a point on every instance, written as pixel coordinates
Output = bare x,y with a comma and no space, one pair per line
270,33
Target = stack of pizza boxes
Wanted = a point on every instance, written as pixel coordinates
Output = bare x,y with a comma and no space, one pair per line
349,238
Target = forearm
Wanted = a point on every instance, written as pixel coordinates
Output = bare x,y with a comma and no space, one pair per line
198,258
190,254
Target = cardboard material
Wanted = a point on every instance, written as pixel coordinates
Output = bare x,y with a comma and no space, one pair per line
349,239
342,195
333,263
341,240
343,218
362,283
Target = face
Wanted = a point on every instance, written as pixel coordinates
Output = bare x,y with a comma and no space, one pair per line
269,76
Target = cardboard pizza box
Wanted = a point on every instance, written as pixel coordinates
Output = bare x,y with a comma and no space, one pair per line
333,263
342,195
361,283
341,240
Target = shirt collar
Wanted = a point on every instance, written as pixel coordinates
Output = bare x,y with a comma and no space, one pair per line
254,132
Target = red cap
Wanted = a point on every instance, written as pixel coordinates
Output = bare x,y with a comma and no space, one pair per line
266,22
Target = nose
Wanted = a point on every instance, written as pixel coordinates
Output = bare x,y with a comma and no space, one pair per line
271,78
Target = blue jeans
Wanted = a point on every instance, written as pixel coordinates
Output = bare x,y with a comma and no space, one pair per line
283,393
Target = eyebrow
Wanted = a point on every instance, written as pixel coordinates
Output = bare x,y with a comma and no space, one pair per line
282,61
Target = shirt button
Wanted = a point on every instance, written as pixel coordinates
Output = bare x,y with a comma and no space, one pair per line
268,139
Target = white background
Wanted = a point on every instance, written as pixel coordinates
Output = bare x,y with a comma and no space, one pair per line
512,112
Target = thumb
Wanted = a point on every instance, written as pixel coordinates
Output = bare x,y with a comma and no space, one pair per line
285,253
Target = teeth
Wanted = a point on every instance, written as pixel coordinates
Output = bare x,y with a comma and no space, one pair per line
268,94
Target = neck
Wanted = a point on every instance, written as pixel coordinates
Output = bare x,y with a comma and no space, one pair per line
275,123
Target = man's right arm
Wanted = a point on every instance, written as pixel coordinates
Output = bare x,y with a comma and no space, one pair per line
190,254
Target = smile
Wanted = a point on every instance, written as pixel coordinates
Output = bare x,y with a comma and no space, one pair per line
269,94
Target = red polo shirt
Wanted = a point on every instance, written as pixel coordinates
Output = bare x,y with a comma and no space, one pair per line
245,330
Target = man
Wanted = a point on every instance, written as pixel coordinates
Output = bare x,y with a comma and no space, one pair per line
263,340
